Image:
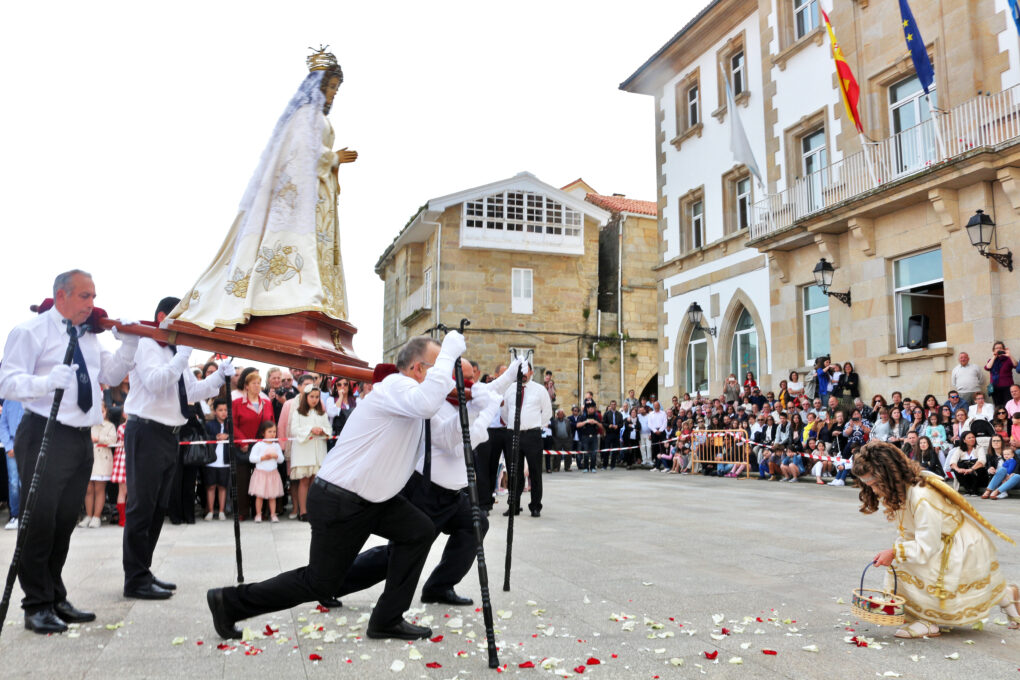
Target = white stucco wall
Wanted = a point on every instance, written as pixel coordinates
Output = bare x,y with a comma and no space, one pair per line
703,160
754,284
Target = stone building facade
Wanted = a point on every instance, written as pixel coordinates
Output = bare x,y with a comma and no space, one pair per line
520,259
888,215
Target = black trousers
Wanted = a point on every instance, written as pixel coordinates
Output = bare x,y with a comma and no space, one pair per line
487,464
182,493
59,497
151,457
657,438
530,450
341,523
609,458
450,512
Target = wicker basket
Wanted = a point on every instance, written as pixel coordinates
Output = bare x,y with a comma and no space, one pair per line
879,606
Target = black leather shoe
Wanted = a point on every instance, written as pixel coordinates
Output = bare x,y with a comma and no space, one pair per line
447,596
400,631
149,592
44,622
67,613
165,585
331,603
536,513
507,513
223,624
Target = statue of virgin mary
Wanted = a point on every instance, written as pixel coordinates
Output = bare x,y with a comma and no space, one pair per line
282,254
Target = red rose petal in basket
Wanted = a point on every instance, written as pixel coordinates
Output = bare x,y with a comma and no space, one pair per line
579,669
322,610
433,664
438,638
770,652
592,661
526,664
314,657
711,656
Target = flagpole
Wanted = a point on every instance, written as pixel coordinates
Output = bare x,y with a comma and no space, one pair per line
935,122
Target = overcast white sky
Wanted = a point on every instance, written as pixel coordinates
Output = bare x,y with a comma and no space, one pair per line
128,131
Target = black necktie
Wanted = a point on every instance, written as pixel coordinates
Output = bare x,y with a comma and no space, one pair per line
84,382
182,393
427,464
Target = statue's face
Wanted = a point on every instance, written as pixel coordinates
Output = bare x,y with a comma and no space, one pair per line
330,86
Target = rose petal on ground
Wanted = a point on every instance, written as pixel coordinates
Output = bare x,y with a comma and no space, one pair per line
914,658
178,641
840,601
592,661
550,662
505,614
676,661
717,636
397,666
954,656
711,656
314,657
770,652
745,645
627,626
322,610
647,583
586,600
810,648
579,669
725,631
114,626
526,664
661,650
433,664
718,618
462,654
414,654
438,638
892,674
736,660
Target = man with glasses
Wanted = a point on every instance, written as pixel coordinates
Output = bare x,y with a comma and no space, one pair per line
955,403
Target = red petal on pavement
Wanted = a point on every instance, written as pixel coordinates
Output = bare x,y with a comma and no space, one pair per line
758,619
438,638
592,661
614,656
322,610
711,656
579,669
526,664
672,619
433,664
725,631
348,661
770,652
199,642
222,646
314,657
269,631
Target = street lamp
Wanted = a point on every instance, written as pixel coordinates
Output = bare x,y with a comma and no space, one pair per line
823,279
695,314
981,230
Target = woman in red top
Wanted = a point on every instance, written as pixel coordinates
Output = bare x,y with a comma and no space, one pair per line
249,411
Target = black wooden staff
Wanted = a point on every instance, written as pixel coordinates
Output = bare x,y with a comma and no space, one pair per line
40,469
233,482
514,473
476,511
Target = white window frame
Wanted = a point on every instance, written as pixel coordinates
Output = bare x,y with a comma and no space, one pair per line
738,73
915,145
693,96
735,369
810,356
522,220
801,7
901,342
697,222
815,178
521,282
691,387
744,201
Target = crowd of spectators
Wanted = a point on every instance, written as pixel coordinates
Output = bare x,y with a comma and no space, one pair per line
809,425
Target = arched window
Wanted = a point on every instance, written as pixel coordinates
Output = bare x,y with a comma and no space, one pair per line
697,362
745,346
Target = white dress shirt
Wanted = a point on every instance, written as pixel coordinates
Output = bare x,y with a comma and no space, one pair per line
153,394
536,408
657,421
986,413
383,438
34,347
448,468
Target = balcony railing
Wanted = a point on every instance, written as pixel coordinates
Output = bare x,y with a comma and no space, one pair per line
419,300
981,122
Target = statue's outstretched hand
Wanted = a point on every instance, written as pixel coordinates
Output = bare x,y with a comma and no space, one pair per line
345,155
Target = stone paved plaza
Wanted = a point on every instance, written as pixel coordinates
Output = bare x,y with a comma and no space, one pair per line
679,557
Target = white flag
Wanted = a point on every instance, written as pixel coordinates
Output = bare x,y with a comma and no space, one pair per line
739,145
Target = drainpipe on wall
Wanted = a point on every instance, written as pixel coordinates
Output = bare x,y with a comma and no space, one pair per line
619,302
439,260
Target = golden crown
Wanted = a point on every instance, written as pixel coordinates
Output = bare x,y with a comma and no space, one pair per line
321,60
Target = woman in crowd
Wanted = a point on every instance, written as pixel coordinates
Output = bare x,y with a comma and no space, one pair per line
796,432
118,476
959,427
794,386
784,395
838,436
250,410
968,462
731,390
941,542
931,405
917,421
820,467
1001,423
104,436
929,456
1005,478
1000,366
791,465
823,376
849,386
877,402
898,427
946,419
980,409
993,454
1014,431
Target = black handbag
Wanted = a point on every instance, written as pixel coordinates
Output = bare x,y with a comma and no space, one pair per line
199,455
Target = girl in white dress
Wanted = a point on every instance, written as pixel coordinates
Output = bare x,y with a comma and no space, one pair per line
308,428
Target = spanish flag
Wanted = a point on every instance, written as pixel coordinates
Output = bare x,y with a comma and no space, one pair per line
847,82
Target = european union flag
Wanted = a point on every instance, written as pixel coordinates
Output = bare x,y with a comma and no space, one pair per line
918,52
1014,11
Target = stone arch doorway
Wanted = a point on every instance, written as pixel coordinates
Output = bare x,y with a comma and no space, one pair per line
682,361
740,327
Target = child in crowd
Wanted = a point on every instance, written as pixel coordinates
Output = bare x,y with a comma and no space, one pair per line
115,414
216,475
791,465
104,435
844,465
1005,478
265,479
